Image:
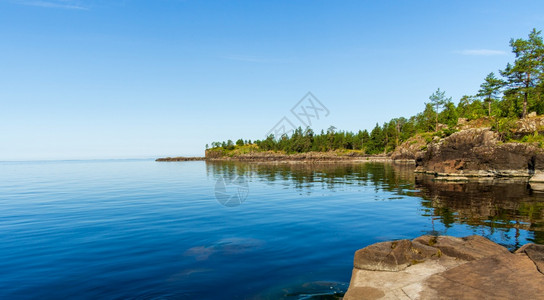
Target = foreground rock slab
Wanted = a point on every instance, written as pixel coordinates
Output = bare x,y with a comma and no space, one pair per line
446,267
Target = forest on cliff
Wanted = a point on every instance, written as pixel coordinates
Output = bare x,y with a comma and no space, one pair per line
512,93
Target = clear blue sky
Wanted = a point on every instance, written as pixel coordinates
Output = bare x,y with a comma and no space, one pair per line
127,79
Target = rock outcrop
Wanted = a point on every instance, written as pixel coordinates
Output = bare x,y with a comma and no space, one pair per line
479,152
531,124
410,149
446,267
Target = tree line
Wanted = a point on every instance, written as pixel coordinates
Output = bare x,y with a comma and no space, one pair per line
517,91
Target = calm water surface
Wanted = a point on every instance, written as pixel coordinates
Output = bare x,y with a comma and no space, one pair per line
143,229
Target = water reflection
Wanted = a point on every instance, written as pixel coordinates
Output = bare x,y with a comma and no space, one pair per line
303,176
490,206
493,208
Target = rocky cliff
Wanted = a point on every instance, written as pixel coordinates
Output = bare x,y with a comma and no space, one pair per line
410,149
479,152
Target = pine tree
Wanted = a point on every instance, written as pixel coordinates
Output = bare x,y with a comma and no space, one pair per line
523,76
438,100
489,90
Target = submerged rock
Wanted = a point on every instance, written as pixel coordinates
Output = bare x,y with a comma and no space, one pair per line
227,246
313,290
445,267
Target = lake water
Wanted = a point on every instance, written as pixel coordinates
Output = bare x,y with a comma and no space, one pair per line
201,230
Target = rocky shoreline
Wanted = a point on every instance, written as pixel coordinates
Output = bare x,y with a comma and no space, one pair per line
315,157
445,267
180,158
267,156
474,153
466,154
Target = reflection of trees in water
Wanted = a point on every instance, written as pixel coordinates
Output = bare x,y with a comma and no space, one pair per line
490,207
388,177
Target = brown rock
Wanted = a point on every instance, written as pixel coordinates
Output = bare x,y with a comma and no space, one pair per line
393,256
364,293
458,268
467,248
506,276
535,253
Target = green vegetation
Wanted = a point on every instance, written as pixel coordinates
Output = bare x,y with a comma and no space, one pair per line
499,103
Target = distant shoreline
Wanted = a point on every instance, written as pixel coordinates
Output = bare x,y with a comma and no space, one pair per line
180,158
280,157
